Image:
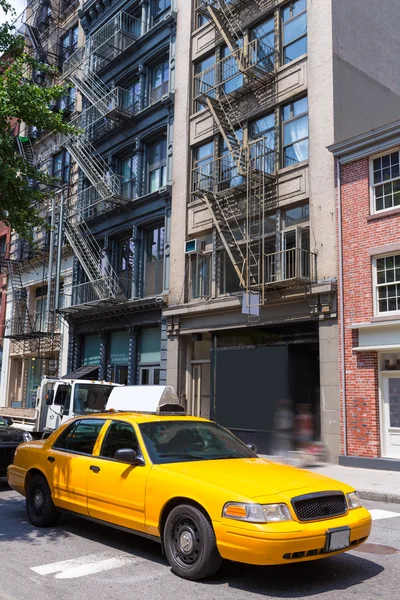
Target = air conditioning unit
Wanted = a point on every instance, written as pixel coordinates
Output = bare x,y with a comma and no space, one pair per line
194,246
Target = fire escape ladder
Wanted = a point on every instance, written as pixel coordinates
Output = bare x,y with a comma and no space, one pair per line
22,320
221,112
93,165
26,150
34,36
89,254
90,86
227,23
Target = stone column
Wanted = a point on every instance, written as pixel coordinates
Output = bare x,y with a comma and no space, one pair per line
145,16
103,355
132,367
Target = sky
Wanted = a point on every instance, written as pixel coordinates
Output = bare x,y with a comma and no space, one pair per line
18,6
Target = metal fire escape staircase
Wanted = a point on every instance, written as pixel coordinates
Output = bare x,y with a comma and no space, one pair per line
239,180
21,321
103,47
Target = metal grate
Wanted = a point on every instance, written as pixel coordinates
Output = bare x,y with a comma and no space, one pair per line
319,506
6,458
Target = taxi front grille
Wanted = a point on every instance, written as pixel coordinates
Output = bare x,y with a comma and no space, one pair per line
318,551
322,505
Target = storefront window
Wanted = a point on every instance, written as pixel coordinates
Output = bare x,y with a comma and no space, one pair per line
150,356
91,350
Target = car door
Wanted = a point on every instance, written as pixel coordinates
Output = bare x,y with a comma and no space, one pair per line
61,399
116,490
69,460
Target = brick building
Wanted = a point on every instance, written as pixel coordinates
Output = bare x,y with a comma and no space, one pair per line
368,168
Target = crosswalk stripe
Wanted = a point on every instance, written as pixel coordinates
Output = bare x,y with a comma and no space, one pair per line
377,514
85,565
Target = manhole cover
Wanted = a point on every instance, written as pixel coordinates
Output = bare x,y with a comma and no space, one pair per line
377,549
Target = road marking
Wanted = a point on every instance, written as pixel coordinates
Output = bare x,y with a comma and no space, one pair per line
85,565
377,514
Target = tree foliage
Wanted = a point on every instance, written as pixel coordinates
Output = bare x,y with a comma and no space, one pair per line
24,101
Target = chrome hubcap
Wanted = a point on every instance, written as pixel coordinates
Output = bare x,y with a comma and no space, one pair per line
186,541
38,500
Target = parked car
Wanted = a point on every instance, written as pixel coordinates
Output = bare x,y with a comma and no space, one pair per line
192,486
10,438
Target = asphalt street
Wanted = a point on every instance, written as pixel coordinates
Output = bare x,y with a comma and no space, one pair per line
78,560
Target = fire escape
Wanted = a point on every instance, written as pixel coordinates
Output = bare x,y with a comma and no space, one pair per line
238,185
107,107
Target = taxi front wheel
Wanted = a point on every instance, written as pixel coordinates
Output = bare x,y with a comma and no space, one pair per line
39,504
189,543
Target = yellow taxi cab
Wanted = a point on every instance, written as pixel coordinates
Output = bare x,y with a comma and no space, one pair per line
189,484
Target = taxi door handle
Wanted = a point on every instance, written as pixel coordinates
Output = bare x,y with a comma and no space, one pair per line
94,468
51,459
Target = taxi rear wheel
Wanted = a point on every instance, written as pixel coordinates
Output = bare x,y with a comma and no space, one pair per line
39,504
189,543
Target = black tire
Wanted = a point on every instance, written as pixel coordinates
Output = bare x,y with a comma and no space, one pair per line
39,504
189,543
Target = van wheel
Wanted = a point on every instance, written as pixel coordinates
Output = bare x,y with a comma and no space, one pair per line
39,504
190,544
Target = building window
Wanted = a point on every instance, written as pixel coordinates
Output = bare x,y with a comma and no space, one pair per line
67,102
40,314
203,158
159,81
91,350
61,166
265,34
262,132
131,97
69,43
3,246
294,25
124,258
228,279
154,262
159,9
150,356
205,80
295,132
157,165
232,79
129,177
388,284
386,181
200,280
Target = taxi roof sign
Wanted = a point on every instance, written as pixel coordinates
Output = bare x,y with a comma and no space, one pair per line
152,399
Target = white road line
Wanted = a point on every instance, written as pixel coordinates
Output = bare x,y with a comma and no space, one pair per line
377,514
85,565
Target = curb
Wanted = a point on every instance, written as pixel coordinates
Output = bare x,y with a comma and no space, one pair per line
379,496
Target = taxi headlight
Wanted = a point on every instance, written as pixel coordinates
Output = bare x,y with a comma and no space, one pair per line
353,500
26,436
256,513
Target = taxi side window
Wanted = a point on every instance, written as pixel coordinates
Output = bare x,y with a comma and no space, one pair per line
80,436
119,435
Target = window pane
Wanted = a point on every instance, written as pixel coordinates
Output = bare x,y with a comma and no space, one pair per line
80,436
296,215
293,9
150,348
296,153
296,130
118,437
295,29
205,152
296,49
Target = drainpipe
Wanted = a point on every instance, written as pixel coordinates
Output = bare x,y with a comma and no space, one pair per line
341,305
51,257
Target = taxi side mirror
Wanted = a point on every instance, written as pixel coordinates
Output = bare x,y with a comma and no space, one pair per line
129,456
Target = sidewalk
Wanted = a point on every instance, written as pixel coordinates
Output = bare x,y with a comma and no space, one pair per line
371,484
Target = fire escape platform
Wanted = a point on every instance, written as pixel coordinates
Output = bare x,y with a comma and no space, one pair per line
112,306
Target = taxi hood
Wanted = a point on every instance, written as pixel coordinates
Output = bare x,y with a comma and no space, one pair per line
254,477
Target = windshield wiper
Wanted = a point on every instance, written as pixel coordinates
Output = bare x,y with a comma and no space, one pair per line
181,455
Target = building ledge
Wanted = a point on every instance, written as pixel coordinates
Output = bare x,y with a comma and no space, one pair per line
377,322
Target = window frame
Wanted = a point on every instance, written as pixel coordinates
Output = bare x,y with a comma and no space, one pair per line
104,438
132,182
372,185
282,27
157,17
162,165
147,233
165,83
76,424
200,295
73,41
377,312
65,169
292,119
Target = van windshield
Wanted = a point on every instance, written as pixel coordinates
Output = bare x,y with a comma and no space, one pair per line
91,398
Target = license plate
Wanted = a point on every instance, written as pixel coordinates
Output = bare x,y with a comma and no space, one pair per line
337,539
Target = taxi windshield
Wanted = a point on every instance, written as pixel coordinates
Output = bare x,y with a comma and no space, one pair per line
183,441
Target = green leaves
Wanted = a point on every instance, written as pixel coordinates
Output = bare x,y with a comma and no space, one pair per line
24,101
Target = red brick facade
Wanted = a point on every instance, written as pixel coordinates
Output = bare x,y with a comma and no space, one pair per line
361,231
